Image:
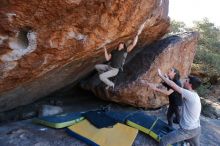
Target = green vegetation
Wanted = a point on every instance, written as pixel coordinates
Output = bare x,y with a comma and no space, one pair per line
208,49
209,58
177,27
203,90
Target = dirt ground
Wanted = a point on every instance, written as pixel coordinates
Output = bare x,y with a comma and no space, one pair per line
25,133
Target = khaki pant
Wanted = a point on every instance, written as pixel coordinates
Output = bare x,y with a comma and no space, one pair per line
106,72
191,136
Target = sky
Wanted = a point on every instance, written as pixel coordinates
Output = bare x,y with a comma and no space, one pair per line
188,11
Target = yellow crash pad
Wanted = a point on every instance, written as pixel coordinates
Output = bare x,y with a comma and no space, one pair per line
118,135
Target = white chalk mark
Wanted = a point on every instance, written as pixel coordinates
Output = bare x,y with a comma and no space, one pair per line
10,16
18,48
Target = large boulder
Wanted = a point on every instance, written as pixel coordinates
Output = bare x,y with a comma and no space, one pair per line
46,45
210,108
174,51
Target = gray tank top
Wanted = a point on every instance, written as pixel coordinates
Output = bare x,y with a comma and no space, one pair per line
118,58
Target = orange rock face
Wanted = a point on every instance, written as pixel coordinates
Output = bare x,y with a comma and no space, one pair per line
173,51
46,45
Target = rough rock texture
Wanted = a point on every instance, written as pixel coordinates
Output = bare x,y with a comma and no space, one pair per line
46,45
173,51
207,73
210,109
211,102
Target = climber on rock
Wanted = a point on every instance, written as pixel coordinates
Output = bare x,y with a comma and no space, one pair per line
116,60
